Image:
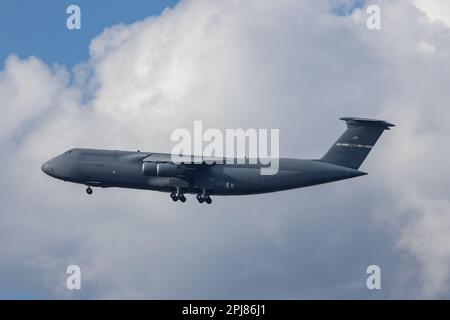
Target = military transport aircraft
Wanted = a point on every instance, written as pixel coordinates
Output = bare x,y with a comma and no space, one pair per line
157,171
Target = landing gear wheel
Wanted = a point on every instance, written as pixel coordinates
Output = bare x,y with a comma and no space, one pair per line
174,196
89,190
200,198
182,197
208,200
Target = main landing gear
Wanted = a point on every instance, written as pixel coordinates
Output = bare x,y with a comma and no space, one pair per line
204,198
179,196
201,197
89,190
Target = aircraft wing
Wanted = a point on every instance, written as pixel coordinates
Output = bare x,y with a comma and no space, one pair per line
191,161
158,158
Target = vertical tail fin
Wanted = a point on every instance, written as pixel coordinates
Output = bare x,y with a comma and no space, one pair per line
355,143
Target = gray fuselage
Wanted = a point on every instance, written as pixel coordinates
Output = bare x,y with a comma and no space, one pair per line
106,168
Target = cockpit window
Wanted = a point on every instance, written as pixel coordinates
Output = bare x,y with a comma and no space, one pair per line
69,152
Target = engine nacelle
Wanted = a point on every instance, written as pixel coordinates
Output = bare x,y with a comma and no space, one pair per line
151,169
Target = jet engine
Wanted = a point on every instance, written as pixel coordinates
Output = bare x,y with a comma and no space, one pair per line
151,169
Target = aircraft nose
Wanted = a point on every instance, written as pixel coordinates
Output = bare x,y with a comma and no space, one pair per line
47,168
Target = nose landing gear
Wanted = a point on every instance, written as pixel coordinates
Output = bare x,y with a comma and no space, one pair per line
89,190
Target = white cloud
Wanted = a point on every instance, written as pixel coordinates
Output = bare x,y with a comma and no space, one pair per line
289,65
436,10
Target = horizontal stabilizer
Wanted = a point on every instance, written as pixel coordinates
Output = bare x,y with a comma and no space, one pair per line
367,122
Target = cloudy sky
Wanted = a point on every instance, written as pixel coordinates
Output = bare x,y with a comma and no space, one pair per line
133,74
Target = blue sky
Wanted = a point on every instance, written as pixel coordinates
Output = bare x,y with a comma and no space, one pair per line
346,7
39,27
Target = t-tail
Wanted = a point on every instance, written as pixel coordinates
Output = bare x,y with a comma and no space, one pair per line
355,143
